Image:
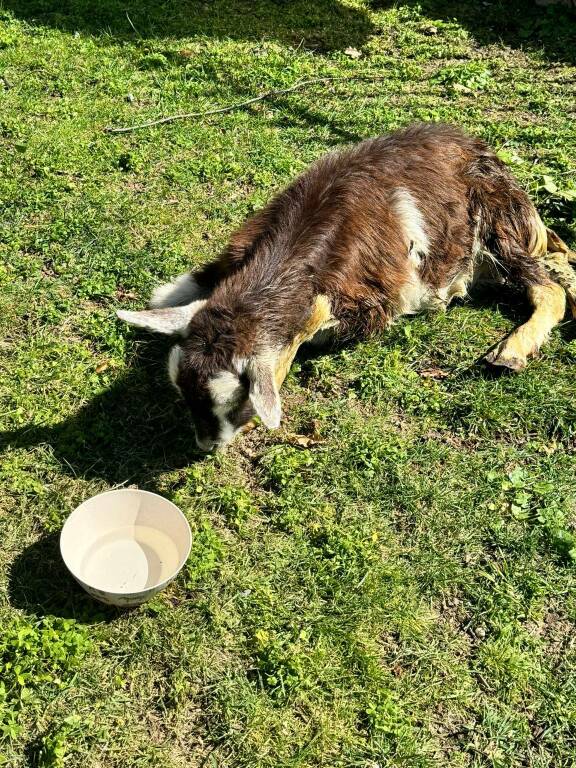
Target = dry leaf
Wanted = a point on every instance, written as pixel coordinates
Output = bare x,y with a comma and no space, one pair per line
304,441
354,53
433,373
102,366
549,449
122,294
248,452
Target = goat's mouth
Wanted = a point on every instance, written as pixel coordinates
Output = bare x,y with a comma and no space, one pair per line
208,444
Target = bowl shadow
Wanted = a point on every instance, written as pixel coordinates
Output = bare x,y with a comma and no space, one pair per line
130,433
40,585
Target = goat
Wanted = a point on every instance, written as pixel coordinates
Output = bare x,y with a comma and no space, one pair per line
392,226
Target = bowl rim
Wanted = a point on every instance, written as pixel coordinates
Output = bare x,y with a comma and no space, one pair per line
156,587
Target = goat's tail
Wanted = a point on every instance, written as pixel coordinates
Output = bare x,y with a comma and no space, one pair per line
556,259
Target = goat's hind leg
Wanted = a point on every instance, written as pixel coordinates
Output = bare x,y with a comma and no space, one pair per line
557,262
550,283
549,302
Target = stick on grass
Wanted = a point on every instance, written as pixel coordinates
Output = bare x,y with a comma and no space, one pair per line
238,105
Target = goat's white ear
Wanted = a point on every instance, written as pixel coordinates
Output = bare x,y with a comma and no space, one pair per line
263,393
169,320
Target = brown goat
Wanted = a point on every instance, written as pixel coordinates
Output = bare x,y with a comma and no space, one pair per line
395,225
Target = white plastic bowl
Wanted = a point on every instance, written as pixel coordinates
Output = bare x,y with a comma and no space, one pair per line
125,546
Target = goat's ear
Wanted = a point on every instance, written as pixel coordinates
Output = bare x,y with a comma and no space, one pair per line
263,393
169,320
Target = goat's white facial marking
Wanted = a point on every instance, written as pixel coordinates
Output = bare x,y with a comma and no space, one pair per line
226,393
174,358
412,223
223,388
232,397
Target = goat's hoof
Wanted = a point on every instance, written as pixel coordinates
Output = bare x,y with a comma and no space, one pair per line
499,359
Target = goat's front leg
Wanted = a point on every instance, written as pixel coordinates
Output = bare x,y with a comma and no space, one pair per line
549,302
320,319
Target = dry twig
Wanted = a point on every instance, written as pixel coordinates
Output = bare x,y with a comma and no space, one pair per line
240,104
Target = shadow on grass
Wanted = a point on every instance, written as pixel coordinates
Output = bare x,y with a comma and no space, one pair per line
508,302
291,114
517,23
40,585
130,433
321,25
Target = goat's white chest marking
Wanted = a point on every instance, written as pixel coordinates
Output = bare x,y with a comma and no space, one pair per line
412,224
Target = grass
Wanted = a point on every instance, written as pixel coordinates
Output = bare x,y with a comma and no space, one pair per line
400,592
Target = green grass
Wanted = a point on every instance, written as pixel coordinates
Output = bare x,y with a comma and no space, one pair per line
403,591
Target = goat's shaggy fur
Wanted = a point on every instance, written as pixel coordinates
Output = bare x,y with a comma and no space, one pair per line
394,225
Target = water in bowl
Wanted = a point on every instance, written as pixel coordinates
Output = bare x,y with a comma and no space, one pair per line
130,559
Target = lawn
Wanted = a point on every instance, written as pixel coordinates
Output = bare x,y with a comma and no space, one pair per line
390,578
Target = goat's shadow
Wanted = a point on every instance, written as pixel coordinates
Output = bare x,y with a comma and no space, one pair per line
129,433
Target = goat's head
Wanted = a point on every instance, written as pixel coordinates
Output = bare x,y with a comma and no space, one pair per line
224,380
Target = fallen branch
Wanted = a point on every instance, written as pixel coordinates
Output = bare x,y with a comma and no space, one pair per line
240,104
